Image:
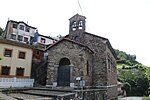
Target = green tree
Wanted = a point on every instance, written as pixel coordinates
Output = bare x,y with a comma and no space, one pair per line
148,73
135,81
142,85
59,36
126,74
1,31
127,87
124,58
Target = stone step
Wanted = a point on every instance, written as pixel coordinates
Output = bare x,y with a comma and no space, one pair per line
54,94
21,96
60,89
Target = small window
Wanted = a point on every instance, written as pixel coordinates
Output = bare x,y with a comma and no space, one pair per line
27,29
22,55
42,40
13,36
15,25
37,53
5,70
80,24
77,38
8,53
109,64
74,26
31,38
21,27
87,68
20,71
25,39
20,38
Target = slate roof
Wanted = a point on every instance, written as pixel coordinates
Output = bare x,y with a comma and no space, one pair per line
107,42
105,39
77,16
47,37
21,22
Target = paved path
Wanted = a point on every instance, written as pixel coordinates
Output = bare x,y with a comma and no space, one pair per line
5,97
20,96
131,98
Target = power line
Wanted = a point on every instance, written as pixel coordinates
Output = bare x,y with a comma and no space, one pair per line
82,13
80,6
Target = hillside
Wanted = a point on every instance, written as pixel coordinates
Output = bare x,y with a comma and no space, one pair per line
132,74
125,60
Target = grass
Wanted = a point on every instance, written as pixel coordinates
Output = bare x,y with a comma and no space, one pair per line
120,65
146,98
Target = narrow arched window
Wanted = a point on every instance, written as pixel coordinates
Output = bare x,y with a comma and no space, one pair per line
87,68
74,25
77,38
81,24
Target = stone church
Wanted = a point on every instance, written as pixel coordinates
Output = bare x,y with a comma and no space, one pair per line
82,59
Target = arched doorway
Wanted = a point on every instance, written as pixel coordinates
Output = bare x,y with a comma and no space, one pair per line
63,78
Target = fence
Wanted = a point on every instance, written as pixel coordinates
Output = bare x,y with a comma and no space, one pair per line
16,82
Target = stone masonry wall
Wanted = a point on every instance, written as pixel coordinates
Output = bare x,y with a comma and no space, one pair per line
97,45
79,56
104,73
111,75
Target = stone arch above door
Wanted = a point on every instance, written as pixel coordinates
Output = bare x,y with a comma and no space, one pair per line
64,61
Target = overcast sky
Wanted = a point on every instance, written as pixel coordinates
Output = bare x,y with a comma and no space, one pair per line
126,23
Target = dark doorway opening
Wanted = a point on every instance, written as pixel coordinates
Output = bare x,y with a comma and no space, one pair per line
63,78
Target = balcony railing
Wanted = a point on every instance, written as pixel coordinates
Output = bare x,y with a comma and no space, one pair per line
16,82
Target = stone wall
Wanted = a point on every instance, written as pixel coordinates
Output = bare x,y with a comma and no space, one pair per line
80,58
112,93
91,94
104,63
97,45
112,70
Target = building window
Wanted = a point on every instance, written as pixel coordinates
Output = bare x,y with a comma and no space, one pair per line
74,26
8,53
15,25
42,40
25,39
21,27
77,38
87,68
13,36
109,64
80,24
37,53
27,29
20,71
31,40
22,55
5,70
20,38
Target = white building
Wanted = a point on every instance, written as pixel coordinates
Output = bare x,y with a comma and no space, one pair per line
22,32
19,31
47,40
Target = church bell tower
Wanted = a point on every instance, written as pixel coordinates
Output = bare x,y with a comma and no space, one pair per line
77,23
76,27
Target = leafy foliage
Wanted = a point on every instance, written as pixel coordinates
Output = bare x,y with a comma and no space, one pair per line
135,81
128,59
1,31
132,74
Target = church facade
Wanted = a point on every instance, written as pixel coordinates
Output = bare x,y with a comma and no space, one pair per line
82,59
